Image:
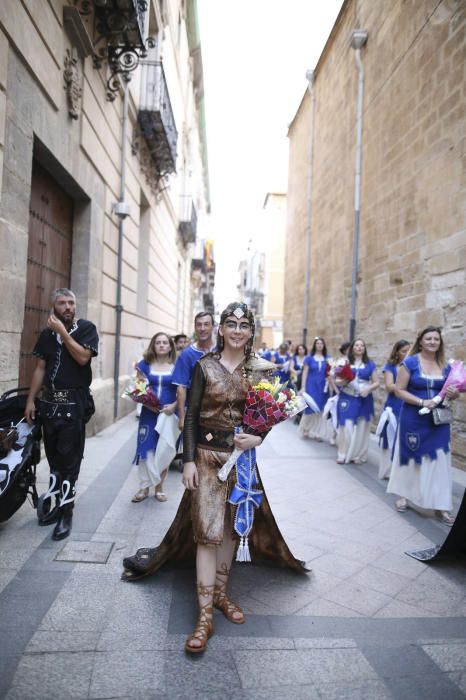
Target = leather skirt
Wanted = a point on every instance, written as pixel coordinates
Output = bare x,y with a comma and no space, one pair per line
209,507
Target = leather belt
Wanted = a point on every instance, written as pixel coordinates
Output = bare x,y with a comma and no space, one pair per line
215,439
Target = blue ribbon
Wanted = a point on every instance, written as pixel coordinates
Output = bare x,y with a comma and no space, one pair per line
245,494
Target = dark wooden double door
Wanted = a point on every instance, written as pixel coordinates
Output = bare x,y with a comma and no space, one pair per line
48,260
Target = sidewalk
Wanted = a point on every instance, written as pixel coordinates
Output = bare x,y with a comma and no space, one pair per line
368,622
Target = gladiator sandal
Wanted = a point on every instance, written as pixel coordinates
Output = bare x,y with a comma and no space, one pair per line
221,601
204,627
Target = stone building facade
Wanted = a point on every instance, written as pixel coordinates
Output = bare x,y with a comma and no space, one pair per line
413,199
66,160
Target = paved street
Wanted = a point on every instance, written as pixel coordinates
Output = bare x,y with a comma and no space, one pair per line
369,622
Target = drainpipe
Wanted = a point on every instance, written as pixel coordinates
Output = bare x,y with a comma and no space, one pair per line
358,40
121,209
310,75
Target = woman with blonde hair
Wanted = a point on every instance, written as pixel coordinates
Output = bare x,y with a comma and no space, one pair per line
421,471
156,367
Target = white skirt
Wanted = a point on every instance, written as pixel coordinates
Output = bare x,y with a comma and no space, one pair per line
312,425
385,463
353,441
427,485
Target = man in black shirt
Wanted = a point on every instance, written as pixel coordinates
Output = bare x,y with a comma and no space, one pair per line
62,377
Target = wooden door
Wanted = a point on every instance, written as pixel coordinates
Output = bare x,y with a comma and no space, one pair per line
48,260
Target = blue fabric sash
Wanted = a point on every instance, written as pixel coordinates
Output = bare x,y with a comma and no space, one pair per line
245,496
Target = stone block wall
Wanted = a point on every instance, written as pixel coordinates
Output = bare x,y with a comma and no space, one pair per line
83,156
413,209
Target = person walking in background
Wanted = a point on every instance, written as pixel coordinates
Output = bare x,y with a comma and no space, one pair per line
355,408
421,471
297,365
386,429
62,378
158,429
203,328
181,342
264,352
314,391
281,358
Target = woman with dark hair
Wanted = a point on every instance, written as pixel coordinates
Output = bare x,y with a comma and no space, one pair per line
282,359
203,526
156,367
297,362
355,407
312,423
421,471
386,429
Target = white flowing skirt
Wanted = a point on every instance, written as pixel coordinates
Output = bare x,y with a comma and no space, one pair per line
427,485
353,441
313,425
385,463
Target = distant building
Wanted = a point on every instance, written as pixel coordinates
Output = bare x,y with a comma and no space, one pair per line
412,250
262,274
82,183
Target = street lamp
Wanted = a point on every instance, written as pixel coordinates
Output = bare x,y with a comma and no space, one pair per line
310,76
358,40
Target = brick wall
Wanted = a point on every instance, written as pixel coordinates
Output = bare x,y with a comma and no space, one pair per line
413,211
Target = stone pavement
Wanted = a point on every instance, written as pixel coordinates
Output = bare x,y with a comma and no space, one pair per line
368,622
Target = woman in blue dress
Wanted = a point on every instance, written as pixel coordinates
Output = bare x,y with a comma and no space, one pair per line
313,383
386,429
282,358
421,471
355,408
297,363
157,431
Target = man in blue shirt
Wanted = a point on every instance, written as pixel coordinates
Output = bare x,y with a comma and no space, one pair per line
203,327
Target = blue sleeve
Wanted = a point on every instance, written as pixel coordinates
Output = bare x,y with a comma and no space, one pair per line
143,367
183,371
387,368
307,360
410,363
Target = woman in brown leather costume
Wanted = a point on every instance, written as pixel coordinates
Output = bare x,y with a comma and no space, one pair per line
205,518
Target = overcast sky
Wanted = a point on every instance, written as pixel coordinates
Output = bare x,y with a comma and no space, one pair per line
255,55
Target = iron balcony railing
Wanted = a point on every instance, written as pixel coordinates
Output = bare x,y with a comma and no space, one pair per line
188,221
119,22
156,118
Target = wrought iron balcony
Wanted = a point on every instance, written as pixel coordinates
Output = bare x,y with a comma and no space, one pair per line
198,264
156,118
208,299
118,36
188,222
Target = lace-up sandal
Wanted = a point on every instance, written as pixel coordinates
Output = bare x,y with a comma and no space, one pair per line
203,630
222,602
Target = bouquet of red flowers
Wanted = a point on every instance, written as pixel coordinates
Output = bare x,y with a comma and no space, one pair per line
341,369
267,404
140,391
